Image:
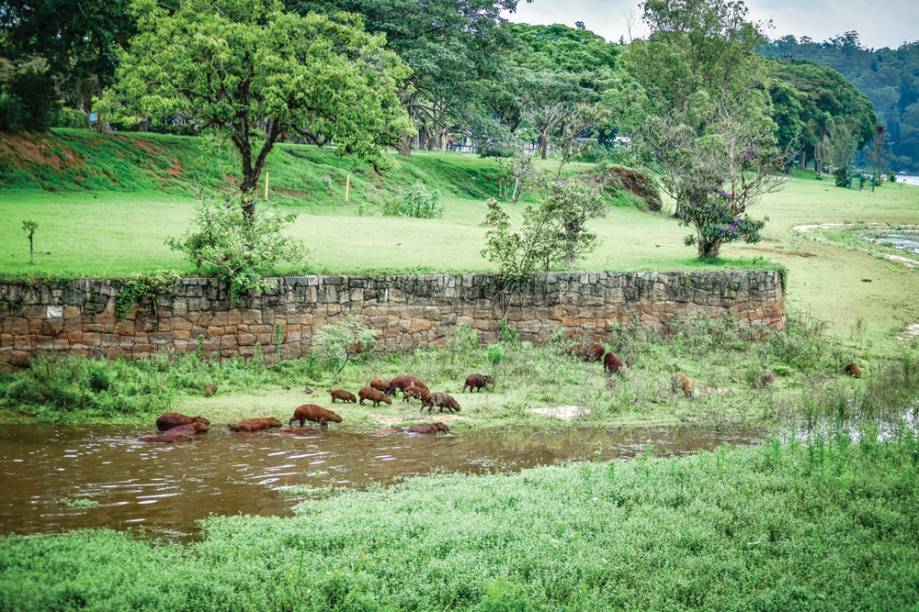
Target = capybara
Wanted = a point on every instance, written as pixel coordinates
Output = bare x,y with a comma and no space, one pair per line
428,428
250,425
173,419
374,395
209,390
342,396
853,370
766,378
477,382
179,433
399,383
305,431
380,384
314,413
612,363
682,382
440,400
416,392
588,352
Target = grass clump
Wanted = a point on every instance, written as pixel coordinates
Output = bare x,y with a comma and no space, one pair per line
825,525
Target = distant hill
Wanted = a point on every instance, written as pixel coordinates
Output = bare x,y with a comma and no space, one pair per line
888,77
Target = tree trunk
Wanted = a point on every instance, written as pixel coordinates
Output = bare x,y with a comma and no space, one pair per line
405,145
804,159
709,250
543,146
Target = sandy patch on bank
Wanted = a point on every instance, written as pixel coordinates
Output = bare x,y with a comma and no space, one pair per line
566,413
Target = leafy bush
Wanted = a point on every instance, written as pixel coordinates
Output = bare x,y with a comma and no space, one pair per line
27,96
335,345
417,201
239,249
71,118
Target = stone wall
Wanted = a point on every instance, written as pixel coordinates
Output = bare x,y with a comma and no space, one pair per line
78,317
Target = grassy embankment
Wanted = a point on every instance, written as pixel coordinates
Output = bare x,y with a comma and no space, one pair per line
819,526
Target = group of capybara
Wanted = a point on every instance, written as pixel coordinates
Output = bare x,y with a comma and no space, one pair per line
177,427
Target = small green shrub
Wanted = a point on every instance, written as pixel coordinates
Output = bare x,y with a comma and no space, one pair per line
416,201
335,345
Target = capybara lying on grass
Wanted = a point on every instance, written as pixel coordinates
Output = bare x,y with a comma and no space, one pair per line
314,413
179,433
374,395
209,390
428,428
342,396
853,370
250,425
399,383
588,352
440,400
173,419
612,363
682,382
477,382
380,384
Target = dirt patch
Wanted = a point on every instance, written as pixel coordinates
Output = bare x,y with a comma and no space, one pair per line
566,413
906,261
391,420
175,166
293,193
803,254
37,150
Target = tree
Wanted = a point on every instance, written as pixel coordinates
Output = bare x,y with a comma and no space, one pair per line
251,72
877,151
841,151
29,228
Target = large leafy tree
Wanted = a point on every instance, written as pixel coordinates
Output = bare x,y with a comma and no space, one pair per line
251,72
452,46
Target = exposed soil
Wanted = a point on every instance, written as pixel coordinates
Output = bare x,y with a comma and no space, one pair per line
33,149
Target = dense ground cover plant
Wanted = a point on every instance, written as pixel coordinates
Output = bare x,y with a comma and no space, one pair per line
828,524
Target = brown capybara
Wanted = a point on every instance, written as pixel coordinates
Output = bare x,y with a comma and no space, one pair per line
414,392
374,395
766,378
380,384
399,383
612,364
682,382
588,352
853,370
209,390
314,413
440,400
179,433
173,419
342,396
250,425
477,382
428,428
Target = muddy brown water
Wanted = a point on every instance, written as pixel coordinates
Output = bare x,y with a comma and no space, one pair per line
166,488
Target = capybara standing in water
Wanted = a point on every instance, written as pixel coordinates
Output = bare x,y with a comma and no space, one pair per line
179,433
173,419
853,370
440,400
612,364
588,352
428,428
374,395
682,382
314,413
342,396
477,382
379,384
399,383
250,425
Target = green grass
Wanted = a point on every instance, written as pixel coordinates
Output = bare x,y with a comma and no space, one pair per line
118,227
829,525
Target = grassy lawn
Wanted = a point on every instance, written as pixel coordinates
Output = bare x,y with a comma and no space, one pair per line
823,526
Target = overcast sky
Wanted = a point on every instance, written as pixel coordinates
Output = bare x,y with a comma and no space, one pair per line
881,23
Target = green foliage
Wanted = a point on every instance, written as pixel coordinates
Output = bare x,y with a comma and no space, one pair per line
29,228
27,98
416,201
237,247
143,288
826,524
335,345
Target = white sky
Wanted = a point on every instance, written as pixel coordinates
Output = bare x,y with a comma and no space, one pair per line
881,23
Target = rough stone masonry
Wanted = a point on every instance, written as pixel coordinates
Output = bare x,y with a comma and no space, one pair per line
77,317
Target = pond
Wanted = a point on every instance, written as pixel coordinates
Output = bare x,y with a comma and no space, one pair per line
902,240
70,477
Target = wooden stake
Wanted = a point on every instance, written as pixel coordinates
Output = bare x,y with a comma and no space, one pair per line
347,188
